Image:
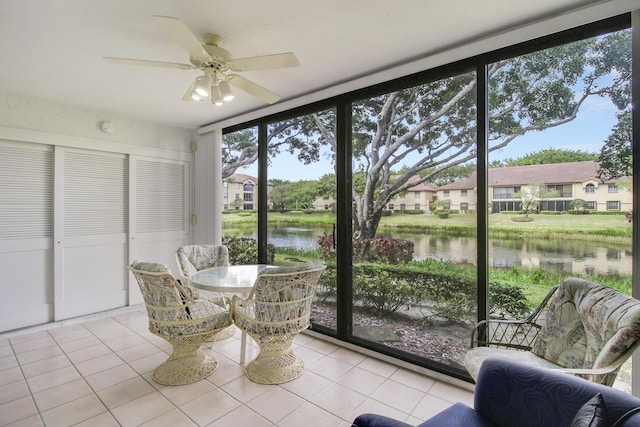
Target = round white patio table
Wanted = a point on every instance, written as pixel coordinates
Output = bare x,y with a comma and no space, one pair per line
233,279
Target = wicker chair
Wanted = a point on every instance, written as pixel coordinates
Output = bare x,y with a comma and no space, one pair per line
276,310
581,328
183,321
193,258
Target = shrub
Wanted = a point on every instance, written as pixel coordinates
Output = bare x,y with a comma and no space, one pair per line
507,301
244,250
384,292
578,212
443,215
379,250
521,219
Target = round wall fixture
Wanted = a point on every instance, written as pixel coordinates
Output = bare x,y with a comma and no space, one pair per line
107,127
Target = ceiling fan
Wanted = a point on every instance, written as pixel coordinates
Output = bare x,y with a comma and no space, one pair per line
215,63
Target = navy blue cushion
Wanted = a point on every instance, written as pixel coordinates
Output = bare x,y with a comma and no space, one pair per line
372,420
457,415
592,414
630,419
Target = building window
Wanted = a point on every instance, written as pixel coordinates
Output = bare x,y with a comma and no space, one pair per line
613,188
237,185
563,190
417,194
225,184
248,188
226,196
590,188
403,207
445,193
592,206
505,192
248,197
464,206
237,196
613,206
248,206
417,206
463,193
390,206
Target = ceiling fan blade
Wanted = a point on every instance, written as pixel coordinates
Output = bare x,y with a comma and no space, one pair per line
266,62
179,31
253,88
126,61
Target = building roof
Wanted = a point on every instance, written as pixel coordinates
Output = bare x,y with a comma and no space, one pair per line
420,187
554,173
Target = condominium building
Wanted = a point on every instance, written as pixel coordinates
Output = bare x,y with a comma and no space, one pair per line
561,182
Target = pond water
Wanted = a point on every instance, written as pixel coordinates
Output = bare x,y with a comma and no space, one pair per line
569,256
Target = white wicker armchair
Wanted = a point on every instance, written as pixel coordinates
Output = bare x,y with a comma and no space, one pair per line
183,321
193,258
276,310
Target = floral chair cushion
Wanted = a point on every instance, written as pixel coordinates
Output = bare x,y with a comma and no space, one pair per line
588,325
172,312
193,258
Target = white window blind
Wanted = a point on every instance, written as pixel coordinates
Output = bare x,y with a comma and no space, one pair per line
26,191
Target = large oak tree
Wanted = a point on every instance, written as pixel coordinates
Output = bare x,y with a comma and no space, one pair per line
409,136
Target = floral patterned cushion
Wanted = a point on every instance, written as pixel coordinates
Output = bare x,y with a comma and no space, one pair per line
588,325
173,314
193,258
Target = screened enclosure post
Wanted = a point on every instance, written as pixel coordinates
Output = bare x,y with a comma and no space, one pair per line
482,75
344,217
262,193
635,147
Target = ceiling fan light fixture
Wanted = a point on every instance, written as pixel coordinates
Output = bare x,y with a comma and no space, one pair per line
201,86
216,95
227,94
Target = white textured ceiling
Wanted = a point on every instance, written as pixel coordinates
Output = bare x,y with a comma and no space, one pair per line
53,49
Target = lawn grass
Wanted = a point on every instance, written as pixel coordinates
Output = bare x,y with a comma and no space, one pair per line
593,227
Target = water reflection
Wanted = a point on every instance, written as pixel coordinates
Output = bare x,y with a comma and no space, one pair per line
573,257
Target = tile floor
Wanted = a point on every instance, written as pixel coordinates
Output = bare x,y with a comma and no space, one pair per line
97,372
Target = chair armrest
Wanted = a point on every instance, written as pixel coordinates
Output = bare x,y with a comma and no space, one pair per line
515,334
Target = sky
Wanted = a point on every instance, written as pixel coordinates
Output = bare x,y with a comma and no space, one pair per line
587,132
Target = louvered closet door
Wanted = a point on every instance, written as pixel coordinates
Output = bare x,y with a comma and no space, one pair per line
90,232
26,231
159,202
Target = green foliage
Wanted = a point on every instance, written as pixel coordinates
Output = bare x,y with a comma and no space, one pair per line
383,291
546,156
443,215
616,158
532,195
507,301
522,219
244,250
294,195
579,204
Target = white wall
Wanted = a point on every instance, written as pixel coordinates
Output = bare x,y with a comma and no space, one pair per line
58,121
